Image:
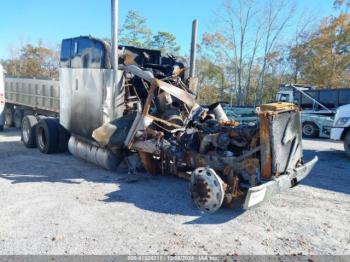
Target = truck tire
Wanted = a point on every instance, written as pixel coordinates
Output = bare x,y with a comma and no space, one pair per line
47,136
17,118
63,139
310,130
28,131
347,144
9,117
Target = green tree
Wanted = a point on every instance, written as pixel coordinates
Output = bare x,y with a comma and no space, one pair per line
33,61
166,42
134,31
211,82
325,55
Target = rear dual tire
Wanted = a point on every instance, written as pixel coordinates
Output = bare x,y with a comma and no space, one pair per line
13,117
45,133
47,136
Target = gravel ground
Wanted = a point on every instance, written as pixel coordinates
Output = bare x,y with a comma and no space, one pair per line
56,204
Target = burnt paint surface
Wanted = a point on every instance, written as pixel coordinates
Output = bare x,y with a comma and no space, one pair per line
265,147
82,93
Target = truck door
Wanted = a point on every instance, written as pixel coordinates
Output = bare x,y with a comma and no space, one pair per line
82,85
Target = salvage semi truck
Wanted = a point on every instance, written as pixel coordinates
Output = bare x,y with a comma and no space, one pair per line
113,101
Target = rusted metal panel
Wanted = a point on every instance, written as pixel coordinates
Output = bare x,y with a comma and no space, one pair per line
265,144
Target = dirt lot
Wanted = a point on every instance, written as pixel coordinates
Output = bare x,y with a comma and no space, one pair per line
56,204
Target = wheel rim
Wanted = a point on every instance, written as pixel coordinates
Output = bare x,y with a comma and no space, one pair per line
308,130
25,131
207,189
41,138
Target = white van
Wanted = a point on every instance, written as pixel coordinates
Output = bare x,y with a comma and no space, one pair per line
2,99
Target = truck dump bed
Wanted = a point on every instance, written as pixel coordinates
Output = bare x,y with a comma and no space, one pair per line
33,93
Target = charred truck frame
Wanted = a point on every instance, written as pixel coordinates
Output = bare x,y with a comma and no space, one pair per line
117,101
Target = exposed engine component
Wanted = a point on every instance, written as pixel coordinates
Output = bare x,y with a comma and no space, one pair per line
225,161
219,112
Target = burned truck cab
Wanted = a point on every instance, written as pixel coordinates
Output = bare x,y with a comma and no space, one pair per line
147,107
86,85
92,93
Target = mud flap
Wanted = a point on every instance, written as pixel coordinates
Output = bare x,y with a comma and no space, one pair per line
259,194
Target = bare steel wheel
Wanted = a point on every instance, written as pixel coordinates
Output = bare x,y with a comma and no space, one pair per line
207,189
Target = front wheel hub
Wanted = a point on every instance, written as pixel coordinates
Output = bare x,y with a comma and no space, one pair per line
207,189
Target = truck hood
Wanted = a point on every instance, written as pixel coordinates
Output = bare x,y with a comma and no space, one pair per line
344,108
343,111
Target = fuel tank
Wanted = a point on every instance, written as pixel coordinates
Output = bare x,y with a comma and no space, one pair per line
93,154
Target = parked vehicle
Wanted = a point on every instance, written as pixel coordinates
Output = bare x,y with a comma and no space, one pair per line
341,127
310,99
120,101
243,114
318,106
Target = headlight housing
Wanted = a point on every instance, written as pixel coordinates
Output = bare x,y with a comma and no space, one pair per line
342,121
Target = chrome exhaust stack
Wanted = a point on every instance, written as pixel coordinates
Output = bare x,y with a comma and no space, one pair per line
219,112
193,80
114,24
193,49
